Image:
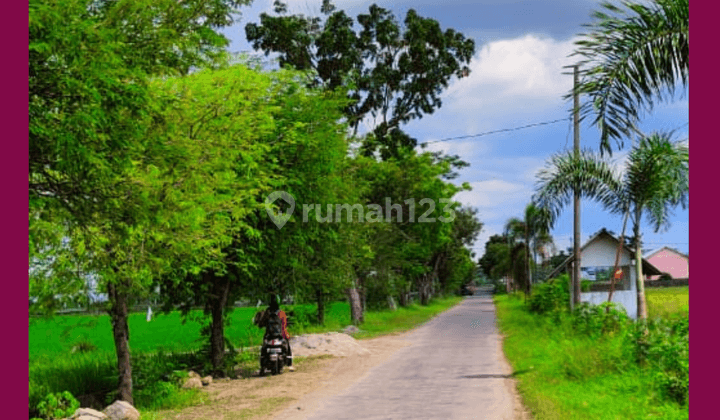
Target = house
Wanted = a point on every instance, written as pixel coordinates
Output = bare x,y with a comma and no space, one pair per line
598,255
670,261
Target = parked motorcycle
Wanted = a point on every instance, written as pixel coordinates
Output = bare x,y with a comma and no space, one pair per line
273,357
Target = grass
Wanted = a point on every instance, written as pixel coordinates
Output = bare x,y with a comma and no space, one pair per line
563,375
54,367
665,302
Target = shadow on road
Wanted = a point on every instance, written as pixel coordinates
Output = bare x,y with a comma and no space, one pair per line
495,375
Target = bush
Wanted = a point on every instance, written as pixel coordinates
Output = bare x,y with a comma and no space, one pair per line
302,316
551,296
663,345
57,406
596,320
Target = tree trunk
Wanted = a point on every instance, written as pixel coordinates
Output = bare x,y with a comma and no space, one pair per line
356,314
528,286
118,315
221,288
320,299
641,304
424,290
617,257
362,293
403,299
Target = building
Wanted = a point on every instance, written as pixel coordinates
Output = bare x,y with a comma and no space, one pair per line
670,261
598,255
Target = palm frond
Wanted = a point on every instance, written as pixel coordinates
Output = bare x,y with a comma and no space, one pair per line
657,178
594,178
632,55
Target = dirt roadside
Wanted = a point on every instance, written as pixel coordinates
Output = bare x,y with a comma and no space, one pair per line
291,395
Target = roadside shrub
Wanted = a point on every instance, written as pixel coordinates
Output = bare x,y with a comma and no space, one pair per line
57,406
550,296
596,320
663,345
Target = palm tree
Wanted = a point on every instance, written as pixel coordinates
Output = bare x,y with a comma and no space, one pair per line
533,229
633,54
655,181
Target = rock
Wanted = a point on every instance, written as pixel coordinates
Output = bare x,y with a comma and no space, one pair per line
351,329
192,374
192,383
121,410
206,380
88,414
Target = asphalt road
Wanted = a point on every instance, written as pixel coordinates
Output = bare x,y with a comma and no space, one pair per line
453,369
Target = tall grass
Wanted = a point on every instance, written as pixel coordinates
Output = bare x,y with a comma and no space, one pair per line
565,374
666,302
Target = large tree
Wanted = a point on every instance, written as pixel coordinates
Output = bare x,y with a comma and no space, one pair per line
655,181
395,72
632,54
92,114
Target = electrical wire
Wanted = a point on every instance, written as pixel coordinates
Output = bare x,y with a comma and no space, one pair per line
502,130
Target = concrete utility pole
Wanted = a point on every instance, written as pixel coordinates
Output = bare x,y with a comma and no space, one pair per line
575,285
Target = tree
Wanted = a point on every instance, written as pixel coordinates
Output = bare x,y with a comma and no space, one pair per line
490,259
655,181
91,109
533,229
632,55
289,139
393,72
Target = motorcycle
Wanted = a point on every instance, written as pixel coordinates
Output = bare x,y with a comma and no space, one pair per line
273,356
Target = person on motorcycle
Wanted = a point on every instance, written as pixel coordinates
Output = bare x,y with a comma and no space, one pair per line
264,320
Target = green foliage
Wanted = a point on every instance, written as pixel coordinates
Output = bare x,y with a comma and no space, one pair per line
634,53
158,377
381,62
584,365
663,345
596,320
551,296
58,405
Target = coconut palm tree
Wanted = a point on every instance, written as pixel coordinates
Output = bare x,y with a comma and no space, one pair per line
656,180
632,54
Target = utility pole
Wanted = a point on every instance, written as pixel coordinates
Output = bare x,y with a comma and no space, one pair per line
575,285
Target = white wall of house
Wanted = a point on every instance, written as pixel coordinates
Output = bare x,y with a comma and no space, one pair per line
626,298
601,253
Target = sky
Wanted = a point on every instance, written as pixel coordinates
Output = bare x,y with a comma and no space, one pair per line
517,78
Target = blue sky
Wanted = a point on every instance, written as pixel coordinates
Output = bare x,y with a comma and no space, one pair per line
517,79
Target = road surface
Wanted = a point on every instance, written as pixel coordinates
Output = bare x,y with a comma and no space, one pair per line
453,369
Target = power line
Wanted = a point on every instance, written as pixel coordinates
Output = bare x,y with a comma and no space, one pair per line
496,131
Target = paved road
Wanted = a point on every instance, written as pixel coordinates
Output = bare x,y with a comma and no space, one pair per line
453,370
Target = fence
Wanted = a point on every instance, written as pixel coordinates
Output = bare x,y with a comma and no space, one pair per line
667,283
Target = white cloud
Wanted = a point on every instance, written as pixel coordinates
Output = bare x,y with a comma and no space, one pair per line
494,196
514,74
